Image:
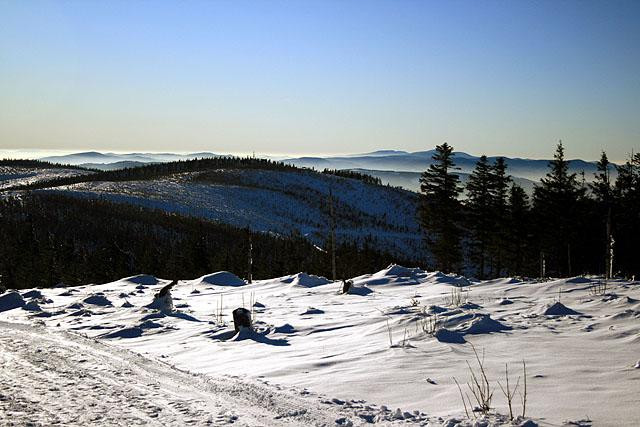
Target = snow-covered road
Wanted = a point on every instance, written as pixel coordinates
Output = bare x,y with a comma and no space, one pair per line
51,378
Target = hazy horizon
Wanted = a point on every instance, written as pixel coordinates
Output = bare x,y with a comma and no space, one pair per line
42,153
291,78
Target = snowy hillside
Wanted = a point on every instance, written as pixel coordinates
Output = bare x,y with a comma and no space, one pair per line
397,339
11,176
281,202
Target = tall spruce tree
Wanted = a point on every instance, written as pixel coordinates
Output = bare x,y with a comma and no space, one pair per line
518,231
439,209
602,193
555,204
627,216
480,216
499,184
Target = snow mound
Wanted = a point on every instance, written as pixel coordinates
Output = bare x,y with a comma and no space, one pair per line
142,279
133,332
32,294
484,324
578,279
97,299
305,280
11,300
313,310
454,280
447,336
32,306
221,278
395,270
559,309
359,290
163,303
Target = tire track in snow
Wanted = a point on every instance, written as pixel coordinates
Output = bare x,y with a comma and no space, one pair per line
50,377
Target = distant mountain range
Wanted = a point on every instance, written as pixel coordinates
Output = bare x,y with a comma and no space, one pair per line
107,160
395,167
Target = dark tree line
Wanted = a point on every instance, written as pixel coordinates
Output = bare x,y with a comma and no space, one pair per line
567,227
159,170
40,164
346,173
47,239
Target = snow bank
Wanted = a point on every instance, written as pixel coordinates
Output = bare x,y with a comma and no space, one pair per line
11,300
32,294
221,278
559,309
32,306
142,279
306,280
97,299
395,270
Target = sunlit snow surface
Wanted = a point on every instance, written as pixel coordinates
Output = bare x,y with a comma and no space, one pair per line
12,176
370,344
280,202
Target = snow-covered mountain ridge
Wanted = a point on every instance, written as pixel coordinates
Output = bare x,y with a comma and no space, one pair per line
281,202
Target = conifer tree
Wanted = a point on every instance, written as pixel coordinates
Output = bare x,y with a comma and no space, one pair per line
517,235
555,201
439,209
602,192
627,215
480,219
499,182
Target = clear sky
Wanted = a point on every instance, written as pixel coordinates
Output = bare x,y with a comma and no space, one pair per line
496,77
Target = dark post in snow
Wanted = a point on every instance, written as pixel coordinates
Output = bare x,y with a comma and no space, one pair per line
241,318
346,286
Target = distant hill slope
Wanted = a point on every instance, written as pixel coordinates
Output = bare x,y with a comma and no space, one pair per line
530,169
28,172
411,180
95,158
380,163
283,201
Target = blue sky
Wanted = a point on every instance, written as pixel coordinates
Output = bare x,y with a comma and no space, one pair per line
494,77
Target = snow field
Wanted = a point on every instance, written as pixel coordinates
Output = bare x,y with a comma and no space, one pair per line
397,340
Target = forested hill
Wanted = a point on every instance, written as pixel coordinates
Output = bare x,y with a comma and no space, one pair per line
160,170
46,239
261,195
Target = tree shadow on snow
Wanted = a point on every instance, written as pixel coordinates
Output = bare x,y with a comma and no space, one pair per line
249,335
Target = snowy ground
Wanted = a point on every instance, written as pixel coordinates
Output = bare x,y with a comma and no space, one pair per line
582,355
